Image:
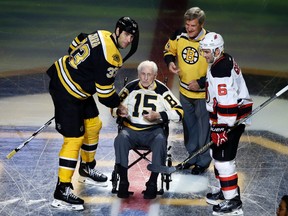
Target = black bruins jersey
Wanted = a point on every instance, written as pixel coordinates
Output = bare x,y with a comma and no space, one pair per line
91,67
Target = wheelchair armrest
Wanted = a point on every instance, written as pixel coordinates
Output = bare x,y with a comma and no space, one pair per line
119,122
166,128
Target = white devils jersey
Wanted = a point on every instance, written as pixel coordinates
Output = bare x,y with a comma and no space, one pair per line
227,97
159,98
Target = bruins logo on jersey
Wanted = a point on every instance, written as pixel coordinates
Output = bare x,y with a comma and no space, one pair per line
190,55
116,58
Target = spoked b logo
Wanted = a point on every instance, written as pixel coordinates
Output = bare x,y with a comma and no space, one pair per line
190,55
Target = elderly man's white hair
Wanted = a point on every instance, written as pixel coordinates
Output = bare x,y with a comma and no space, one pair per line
148,63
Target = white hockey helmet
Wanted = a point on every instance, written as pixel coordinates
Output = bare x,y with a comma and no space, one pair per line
212,41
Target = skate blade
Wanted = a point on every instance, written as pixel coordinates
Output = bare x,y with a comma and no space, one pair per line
66,206
234,213
88,181
213,202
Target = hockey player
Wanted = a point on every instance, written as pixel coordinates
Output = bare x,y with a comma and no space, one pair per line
90,67
149,104
227,100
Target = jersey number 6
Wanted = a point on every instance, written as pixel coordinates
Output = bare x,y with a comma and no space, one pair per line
222,90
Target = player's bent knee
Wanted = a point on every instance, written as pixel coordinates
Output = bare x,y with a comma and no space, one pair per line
225,168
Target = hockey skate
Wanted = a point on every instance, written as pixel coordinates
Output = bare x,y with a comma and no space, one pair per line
215,198
91,176
229,207
65,199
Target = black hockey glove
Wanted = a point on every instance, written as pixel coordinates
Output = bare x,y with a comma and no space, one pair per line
219,133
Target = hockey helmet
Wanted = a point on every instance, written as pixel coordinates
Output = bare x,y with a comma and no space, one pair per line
129,25
212,41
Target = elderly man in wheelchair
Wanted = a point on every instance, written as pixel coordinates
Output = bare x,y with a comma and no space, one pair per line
147,107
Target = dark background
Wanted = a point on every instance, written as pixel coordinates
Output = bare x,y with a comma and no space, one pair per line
35,33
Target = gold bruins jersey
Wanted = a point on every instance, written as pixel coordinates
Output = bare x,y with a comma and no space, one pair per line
192,65
90,67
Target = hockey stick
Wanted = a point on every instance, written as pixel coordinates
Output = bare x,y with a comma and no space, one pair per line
12,153
29,139
168,170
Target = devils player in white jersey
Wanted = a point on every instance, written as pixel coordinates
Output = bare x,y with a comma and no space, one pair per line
227,101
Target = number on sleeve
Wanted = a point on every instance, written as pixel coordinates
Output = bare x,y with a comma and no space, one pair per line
236,68
80,56
170,100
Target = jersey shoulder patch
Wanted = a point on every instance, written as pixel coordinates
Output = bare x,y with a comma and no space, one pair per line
222,67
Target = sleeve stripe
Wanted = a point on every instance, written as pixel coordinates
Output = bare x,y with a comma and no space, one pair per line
64,76
230,110
105,94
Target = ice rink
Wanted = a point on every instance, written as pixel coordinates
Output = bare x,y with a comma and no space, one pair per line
31,42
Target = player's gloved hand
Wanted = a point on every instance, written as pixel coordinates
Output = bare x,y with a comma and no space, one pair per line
219,133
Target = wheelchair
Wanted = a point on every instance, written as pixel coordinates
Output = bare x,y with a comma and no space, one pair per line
142,153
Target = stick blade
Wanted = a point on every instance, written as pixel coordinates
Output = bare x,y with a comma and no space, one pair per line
161,169
11,154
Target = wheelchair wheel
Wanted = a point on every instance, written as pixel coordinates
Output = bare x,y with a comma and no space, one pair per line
167,177
167,181
114,180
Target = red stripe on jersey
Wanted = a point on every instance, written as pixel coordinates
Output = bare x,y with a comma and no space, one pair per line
227,110
244,111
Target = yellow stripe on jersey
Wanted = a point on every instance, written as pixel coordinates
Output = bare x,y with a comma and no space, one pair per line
72,87
126,124
179,110
76,44
111,52
105,91
78,41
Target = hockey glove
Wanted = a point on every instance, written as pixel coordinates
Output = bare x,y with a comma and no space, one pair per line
219,133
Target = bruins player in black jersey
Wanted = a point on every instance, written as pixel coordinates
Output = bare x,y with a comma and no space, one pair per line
89,68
